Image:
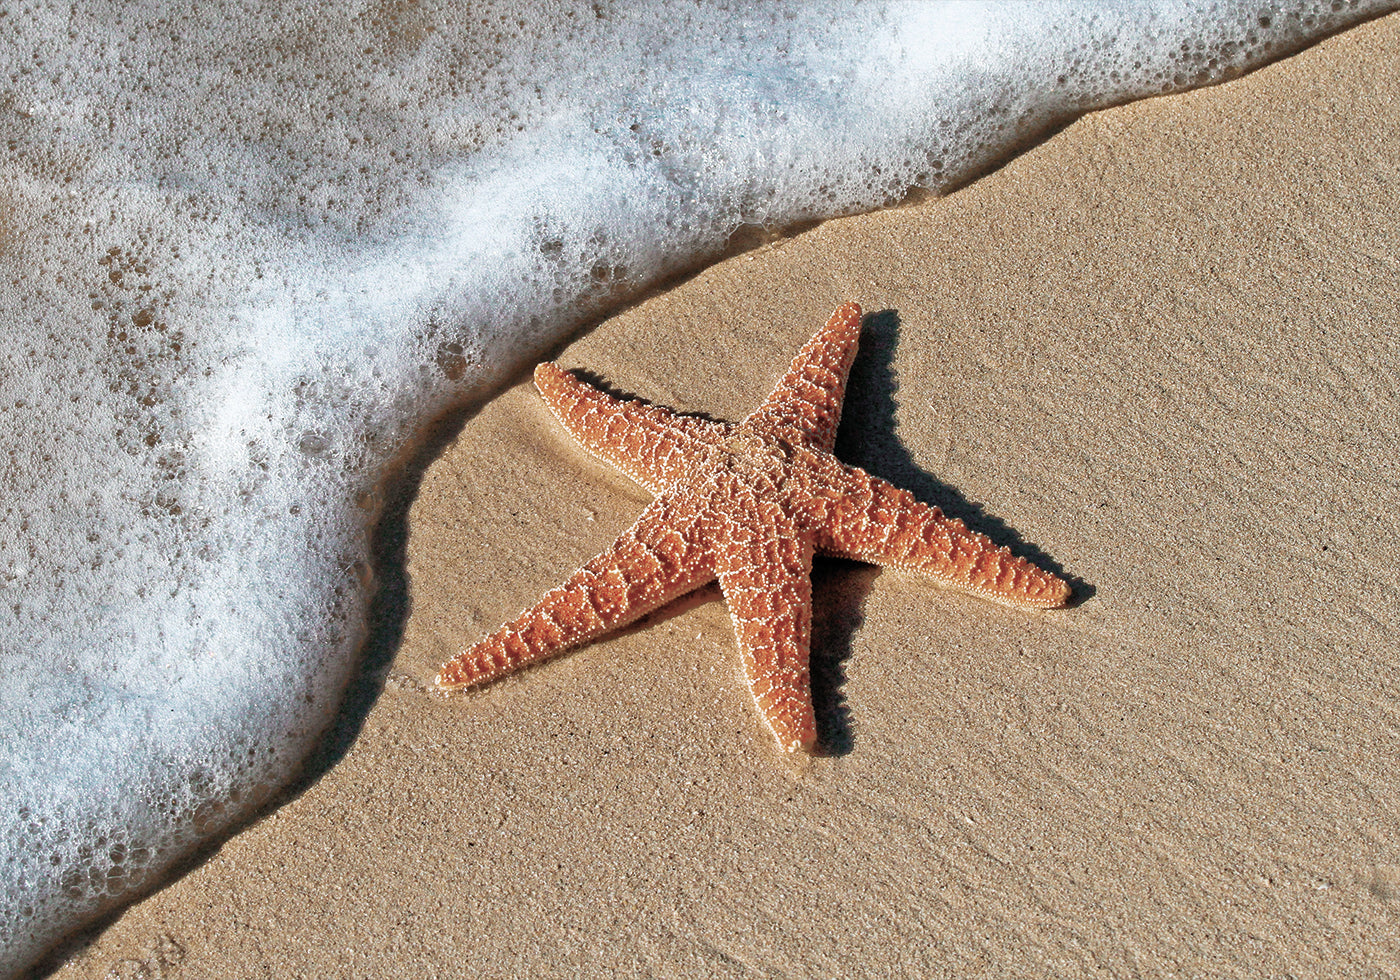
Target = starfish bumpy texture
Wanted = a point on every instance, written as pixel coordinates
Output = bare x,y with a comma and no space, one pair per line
747,504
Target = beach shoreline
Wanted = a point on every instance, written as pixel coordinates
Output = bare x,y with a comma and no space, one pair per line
1157,350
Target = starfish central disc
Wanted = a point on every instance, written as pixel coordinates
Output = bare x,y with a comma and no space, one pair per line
747,504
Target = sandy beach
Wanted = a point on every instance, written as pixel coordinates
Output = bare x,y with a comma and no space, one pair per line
1158,353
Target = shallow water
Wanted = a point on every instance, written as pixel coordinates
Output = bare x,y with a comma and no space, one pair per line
249,254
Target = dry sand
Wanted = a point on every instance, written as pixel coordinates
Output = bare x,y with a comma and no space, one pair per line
1158,351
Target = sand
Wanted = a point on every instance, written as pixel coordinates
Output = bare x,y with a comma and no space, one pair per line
1157,352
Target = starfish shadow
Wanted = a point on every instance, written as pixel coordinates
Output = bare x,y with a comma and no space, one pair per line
839,588
604,385
867,439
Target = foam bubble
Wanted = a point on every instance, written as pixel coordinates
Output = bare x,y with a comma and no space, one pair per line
247,252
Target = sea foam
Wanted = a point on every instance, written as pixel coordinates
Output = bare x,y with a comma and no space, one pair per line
249,251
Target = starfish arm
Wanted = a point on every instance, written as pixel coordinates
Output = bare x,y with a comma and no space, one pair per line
649,443
766,575
654,561
809,396
877,522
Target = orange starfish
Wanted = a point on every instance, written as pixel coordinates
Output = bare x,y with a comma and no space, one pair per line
747,504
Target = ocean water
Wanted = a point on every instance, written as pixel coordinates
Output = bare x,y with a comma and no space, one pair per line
248,252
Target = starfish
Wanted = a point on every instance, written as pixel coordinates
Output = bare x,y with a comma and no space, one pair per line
747,504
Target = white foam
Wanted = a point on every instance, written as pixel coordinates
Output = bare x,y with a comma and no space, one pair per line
249,252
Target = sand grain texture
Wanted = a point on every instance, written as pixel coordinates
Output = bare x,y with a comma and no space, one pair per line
1160,349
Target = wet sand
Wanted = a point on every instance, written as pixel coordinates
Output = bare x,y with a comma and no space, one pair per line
1159,352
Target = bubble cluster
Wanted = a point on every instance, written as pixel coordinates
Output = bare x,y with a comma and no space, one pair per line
248,251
